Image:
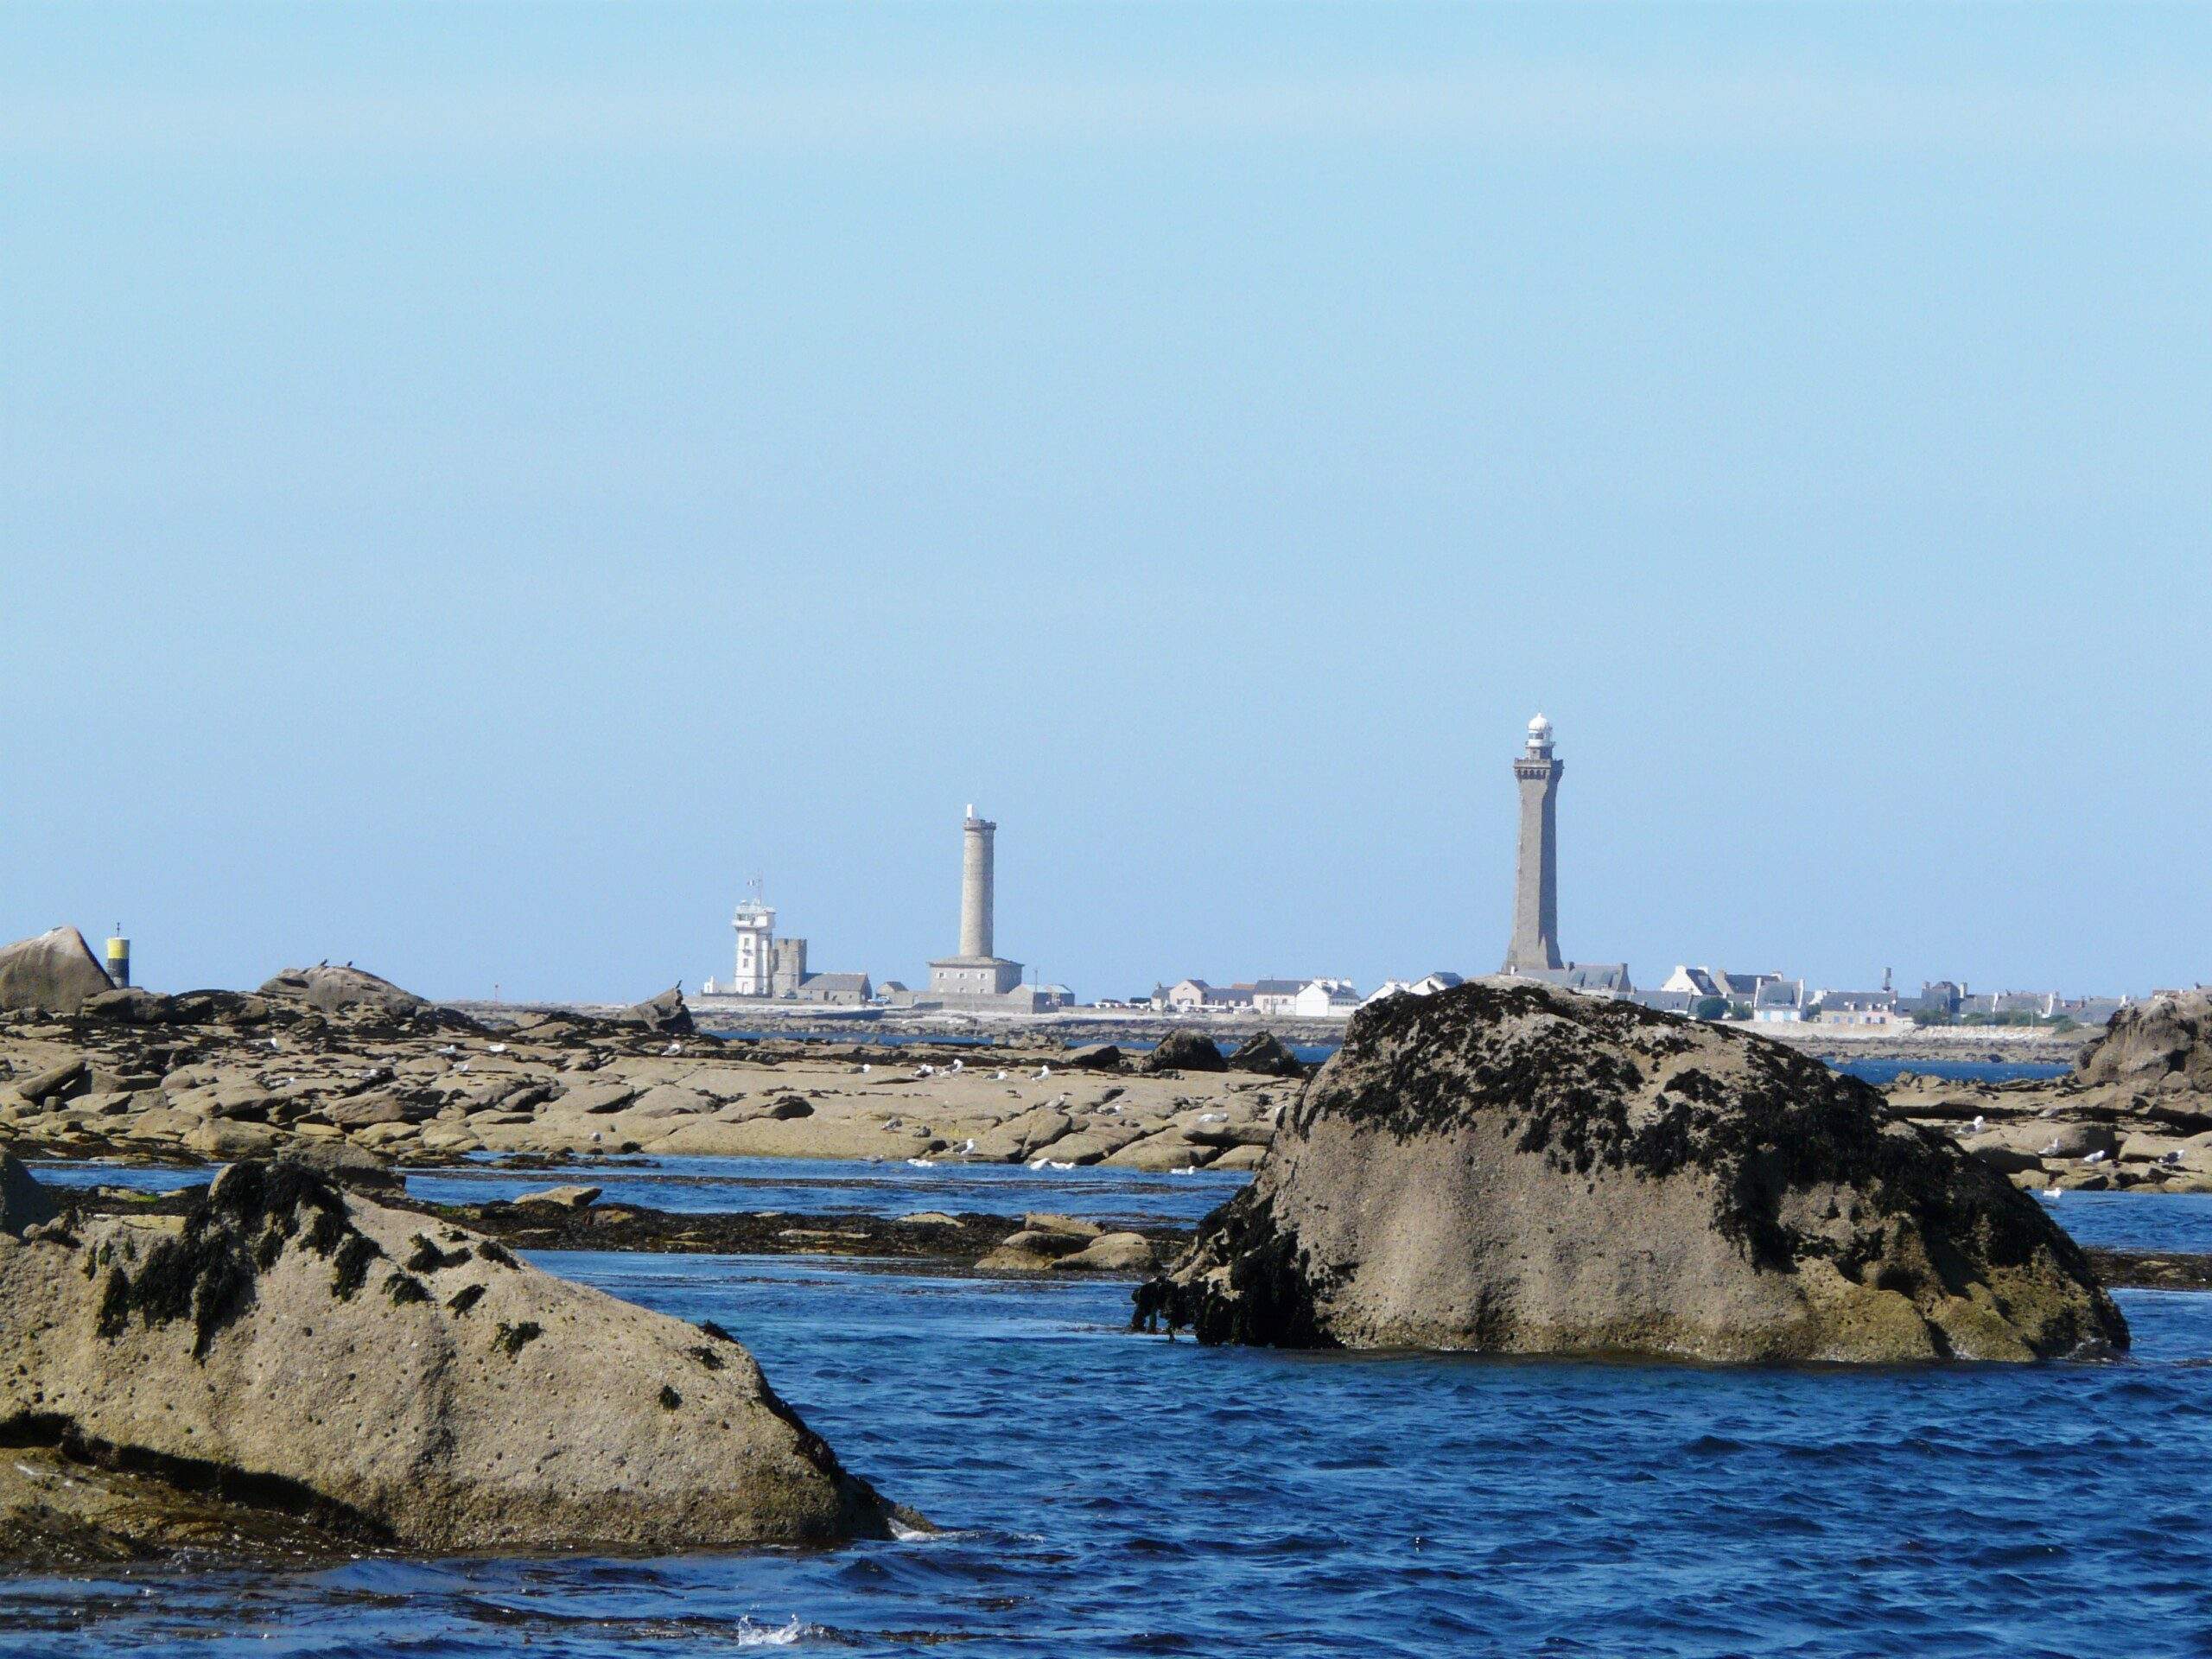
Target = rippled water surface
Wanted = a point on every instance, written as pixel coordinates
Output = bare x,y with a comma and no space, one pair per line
1109,1494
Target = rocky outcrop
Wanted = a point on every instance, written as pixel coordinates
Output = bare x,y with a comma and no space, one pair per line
667,1014
55,971
400,1381
1263,1052
1185,1051
1509,1168
2164,1045
338,990
23,1202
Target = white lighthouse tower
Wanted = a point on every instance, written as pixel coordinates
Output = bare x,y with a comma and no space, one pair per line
755,923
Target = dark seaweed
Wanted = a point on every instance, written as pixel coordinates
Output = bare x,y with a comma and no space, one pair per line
239,1230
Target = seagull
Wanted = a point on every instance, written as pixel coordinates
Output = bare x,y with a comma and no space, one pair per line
2050,1151
958,1064
969,1148
1978,1121
926,1071
674,1048
463,1066
920,1163
866,1069
495,1048
998,1077
273,1043
2094,1158
1043,1072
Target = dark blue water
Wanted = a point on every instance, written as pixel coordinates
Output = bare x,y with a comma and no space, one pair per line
1117,1495
1114,1495
800,1185
1882,1071
2136,1221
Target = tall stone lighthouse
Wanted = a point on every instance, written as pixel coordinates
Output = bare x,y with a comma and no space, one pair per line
975,972
1535,886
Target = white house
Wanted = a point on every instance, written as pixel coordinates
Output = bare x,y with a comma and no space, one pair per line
1779,1002
1860,1008
1275,999
1325,999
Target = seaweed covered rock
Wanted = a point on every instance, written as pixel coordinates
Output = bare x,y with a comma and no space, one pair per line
400,1381
1510,1168
54,971
1185,1051
2164,1044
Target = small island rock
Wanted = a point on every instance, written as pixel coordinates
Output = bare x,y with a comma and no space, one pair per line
1510,1168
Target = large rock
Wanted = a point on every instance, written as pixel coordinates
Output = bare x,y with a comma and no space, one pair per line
1512,1168
23,1202
668,1014
55,971
336,990
1185,1051
1264,1052
406,1381
2166,1043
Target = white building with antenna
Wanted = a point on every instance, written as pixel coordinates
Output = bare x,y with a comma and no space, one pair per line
770,967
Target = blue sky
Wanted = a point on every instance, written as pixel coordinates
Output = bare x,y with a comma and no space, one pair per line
478,484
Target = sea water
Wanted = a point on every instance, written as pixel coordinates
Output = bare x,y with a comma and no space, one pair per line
1107,1493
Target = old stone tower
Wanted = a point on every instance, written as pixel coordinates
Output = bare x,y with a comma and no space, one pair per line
977,971
1535,886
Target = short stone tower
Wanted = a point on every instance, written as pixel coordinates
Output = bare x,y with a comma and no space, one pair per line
1535,886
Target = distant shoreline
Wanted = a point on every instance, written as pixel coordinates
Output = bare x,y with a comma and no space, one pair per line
1075,1027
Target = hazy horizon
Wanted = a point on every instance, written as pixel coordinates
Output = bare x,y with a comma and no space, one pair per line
478,485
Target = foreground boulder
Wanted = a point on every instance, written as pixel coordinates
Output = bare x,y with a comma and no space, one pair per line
1511,1168
55,971
2164,1044
400,1381
338,990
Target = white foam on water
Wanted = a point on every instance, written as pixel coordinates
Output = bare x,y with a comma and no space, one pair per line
750,1635
906,1534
